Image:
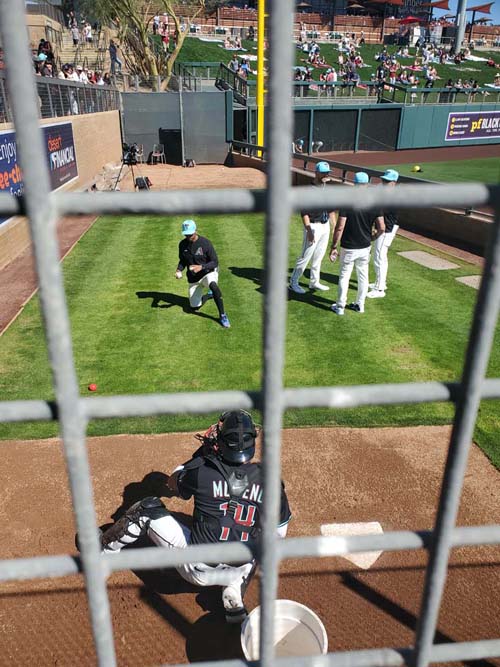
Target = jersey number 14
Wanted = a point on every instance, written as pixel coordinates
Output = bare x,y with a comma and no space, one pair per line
240,519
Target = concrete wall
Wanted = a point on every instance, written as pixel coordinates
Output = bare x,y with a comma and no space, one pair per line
97,142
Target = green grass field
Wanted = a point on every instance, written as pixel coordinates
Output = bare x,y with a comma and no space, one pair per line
195,50
132,333
482,170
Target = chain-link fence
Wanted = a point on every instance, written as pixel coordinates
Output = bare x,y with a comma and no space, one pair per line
73,412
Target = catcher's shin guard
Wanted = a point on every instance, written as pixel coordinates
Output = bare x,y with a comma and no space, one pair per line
133,523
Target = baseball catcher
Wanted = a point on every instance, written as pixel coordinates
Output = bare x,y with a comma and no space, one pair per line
227,491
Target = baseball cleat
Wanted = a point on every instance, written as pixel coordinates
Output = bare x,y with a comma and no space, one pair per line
224,320
376,294
320,287
338,310
295,287
356,308
233,604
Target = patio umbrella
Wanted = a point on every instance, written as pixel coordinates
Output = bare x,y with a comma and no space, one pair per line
409,19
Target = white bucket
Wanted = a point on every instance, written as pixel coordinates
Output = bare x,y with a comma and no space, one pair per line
298,631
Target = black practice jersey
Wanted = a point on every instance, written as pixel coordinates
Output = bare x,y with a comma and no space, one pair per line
390,219
212,520
357,232
199,252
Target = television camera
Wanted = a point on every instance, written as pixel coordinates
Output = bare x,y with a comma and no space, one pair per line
130,154
130,159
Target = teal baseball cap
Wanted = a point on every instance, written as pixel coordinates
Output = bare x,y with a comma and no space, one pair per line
391,175
323,168
188,227
361,177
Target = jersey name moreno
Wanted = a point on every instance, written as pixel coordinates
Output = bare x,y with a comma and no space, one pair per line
252,494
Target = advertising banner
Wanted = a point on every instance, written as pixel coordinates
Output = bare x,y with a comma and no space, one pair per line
473,125
61,157
60,154
11,178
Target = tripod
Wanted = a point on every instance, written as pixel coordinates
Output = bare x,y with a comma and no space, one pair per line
131,166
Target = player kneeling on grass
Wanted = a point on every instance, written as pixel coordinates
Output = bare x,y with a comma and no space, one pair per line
198,255
227,491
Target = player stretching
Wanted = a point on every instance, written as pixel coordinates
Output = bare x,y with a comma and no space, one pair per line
227,491
199,256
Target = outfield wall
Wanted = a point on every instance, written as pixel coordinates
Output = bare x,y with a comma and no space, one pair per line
376,127
93,140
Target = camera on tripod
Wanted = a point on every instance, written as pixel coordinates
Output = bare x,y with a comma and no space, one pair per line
130,153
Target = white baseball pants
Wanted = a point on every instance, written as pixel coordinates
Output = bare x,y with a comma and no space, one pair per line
168,532
196,290
359,258
312,252
380,258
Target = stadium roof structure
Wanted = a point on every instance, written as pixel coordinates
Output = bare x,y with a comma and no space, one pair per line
484,9
439,4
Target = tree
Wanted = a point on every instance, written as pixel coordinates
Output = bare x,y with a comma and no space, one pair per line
144,54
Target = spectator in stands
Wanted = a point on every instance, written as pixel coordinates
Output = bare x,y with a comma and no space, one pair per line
245,66
237,42
87,33
107,79
113,53
81,75
234,64
99,81
75,34
362,38
496,80
48,69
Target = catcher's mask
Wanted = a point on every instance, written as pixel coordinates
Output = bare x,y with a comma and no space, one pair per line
236,436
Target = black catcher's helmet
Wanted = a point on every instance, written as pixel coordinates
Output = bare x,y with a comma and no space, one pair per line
236,437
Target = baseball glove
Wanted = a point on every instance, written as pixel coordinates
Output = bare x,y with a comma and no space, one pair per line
209,440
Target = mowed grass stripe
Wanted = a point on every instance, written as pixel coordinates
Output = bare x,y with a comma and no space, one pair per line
417,333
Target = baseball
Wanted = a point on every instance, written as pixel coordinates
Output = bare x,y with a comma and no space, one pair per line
92,387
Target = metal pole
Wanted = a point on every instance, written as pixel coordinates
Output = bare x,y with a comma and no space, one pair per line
260,73
460,21
278,213
476,363
42,219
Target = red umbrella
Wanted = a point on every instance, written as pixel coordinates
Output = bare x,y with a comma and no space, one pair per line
410,19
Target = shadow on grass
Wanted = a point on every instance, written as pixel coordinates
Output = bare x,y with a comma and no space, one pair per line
169,300
310,297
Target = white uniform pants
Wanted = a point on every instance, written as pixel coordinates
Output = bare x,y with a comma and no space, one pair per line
170,533
196,290
380,259
359,258
312,252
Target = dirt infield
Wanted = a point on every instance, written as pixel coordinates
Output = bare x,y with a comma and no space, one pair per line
389,475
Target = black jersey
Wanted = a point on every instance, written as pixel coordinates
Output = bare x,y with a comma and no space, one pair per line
390,219
199,252
357,232
212,519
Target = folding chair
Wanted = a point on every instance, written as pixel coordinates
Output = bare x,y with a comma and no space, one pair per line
158,154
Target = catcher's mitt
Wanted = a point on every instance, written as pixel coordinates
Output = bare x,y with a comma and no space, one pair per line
209,440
